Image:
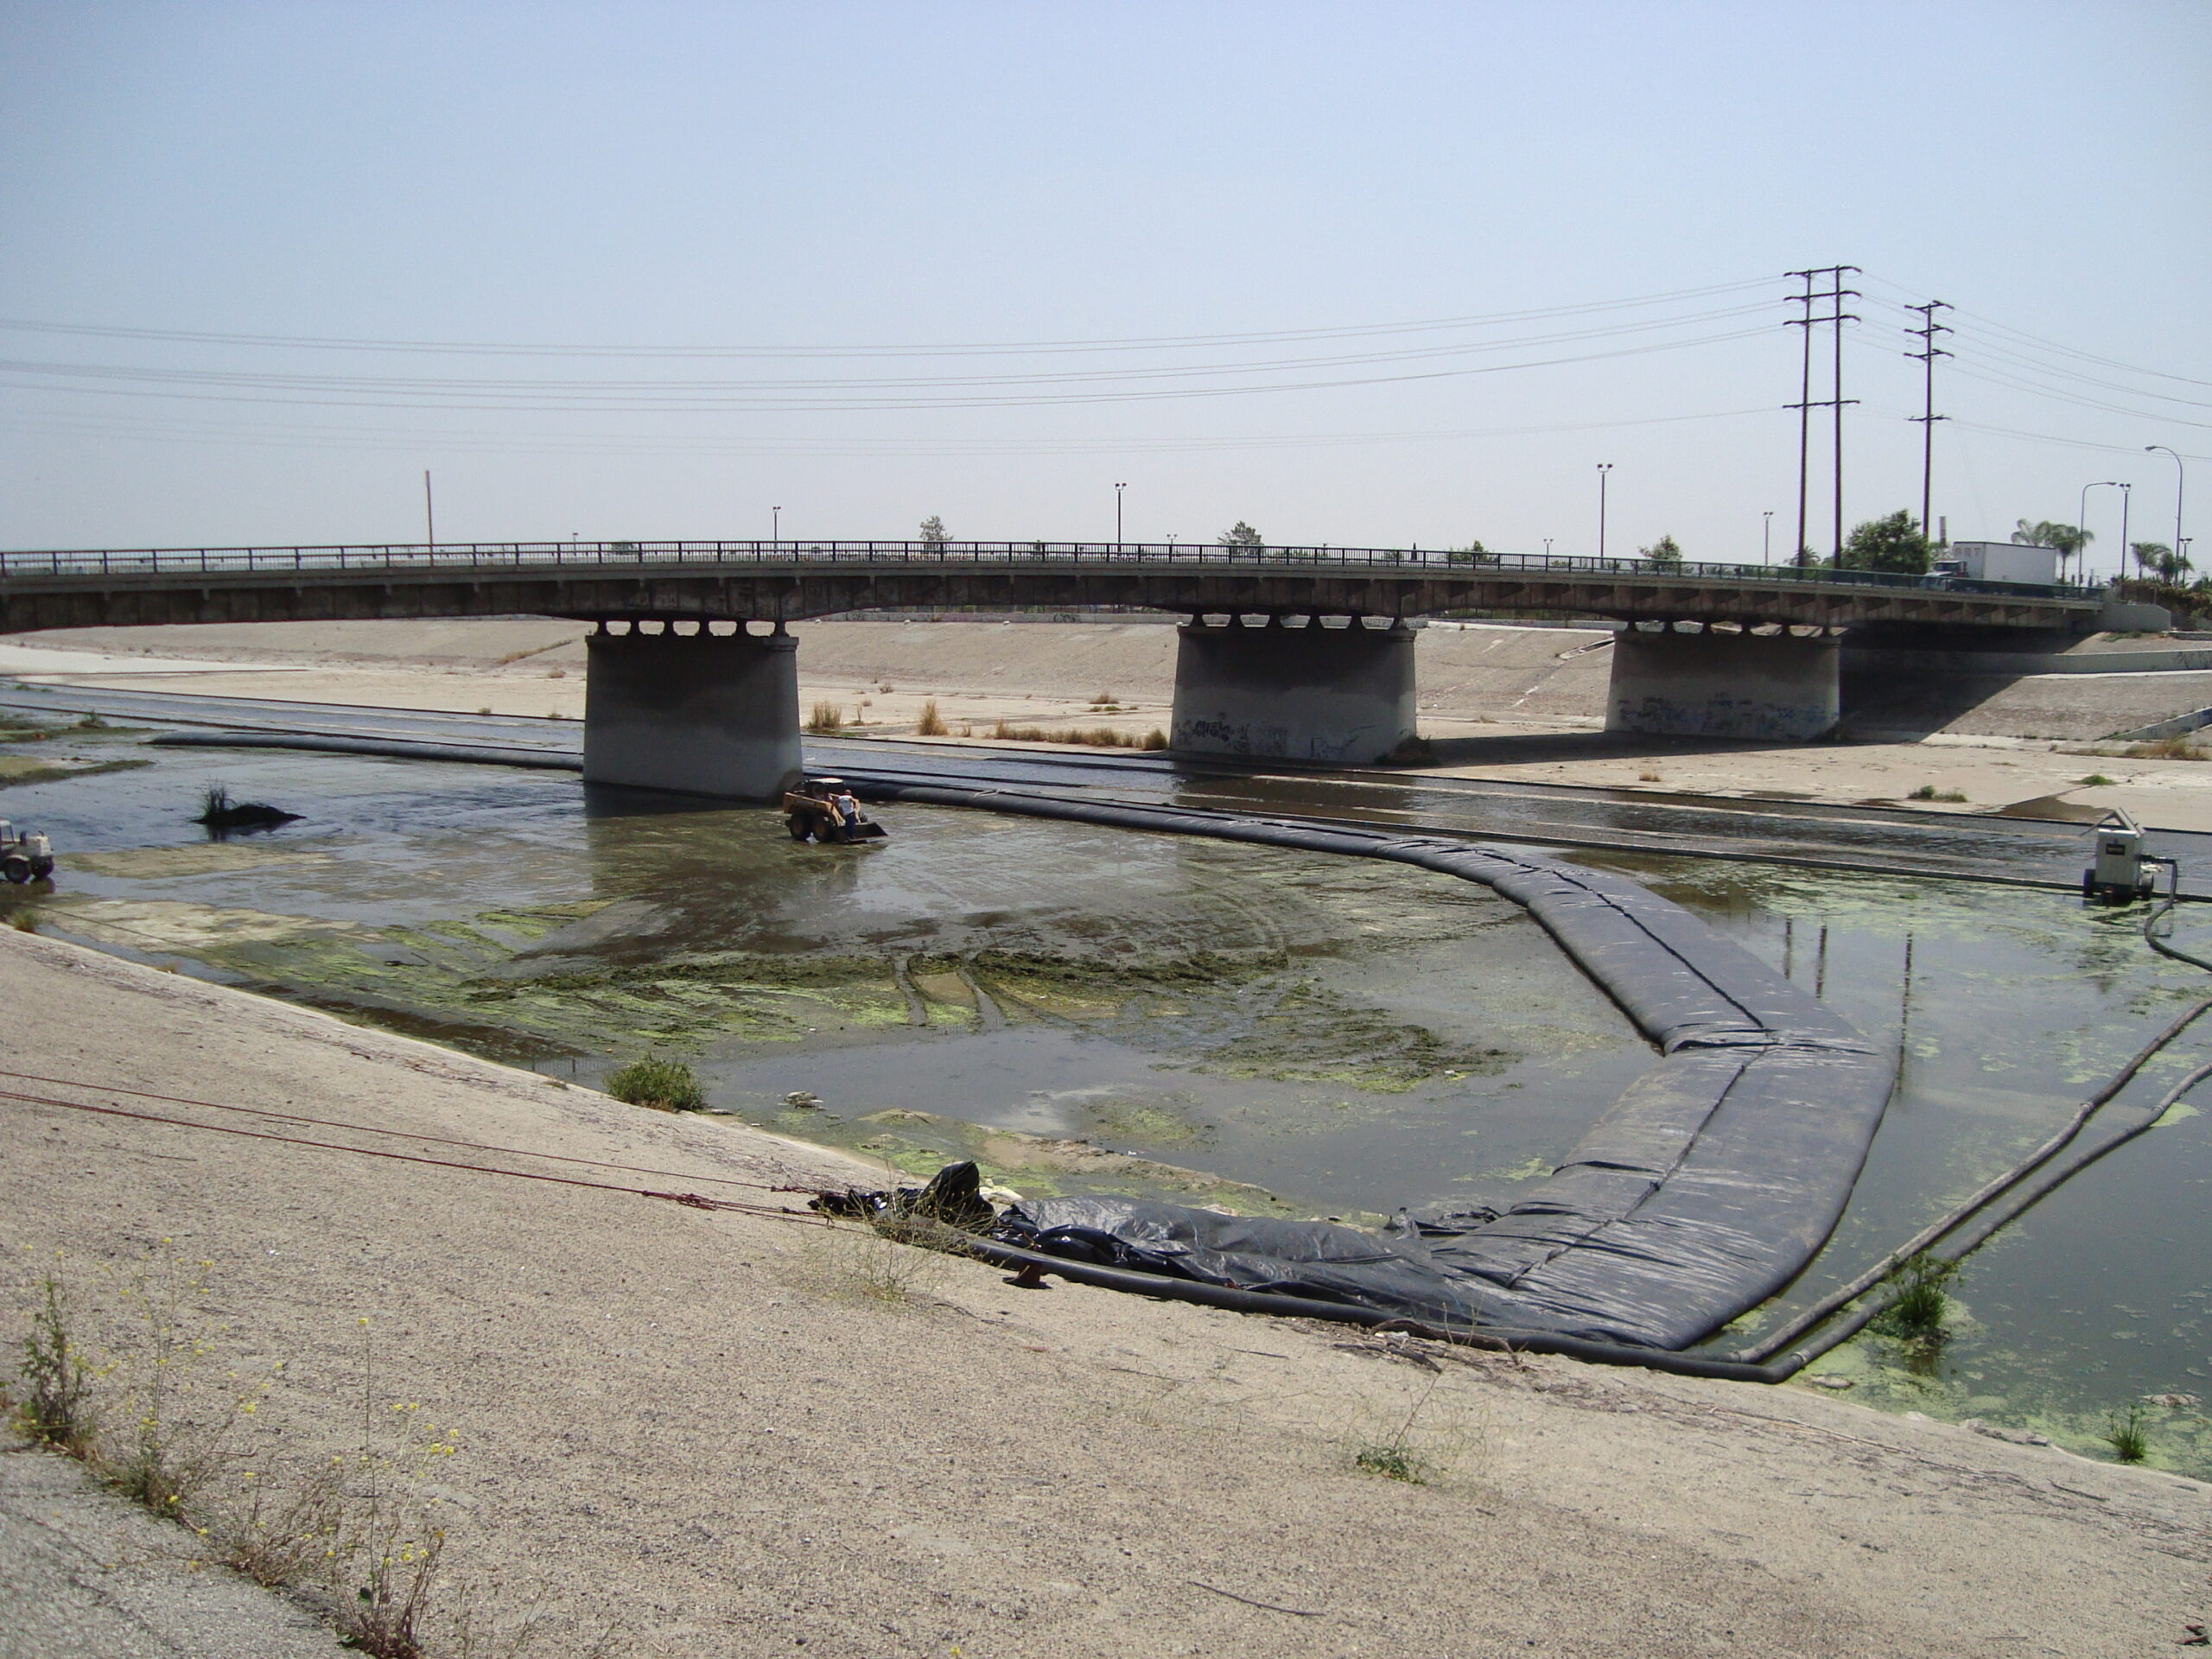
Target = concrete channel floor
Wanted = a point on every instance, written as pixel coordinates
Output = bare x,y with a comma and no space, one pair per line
86,1575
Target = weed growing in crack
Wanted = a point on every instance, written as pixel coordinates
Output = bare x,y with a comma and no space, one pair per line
57,1406
1395,1459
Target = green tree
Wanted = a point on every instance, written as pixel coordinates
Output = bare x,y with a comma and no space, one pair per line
1894,544
2071,540
933,532
1473,553
2160,560
1665,553
1241,537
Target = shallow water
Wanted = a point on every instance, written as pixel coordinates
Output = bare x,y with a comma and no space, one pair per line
1085,1009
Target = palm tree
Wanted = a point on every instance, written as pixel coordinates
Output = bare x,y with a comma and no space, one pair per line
2071,540
2157,556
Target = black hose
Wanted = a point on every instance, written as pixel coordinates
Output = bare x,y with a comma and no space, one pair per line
1964,1213
2164,909
1501,1337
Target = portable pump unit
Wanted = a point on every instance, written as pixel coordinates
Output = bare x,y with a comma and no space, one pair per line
2119,875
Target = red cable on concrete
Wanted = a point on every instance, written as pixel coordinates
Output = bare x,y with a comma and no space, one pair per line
690,1200
365,1128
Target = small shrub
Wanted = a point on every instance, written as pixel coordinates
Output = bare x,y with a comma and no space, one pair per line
2124,1433
1922,1300
2096,780
825,717
1105,700
932,723
91,723
486,710
668,1084
1154,739
1395,1459
23,921
1648,776
58,1409
1413,750
557,674
1930,793
1392,1462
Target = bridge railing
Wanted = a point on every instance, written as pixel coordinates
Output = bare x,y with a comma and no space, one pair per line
583,556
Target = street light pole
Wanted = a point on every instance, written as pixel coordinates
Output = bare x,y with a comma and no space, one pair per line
1603,468
1766,536
430,515
2127,495
1118,489
2180,477
776,528
1547,547
2081,526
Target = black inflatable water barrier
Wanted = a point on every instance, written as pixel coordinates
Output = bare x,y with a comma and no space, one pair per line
1703,1191
400,748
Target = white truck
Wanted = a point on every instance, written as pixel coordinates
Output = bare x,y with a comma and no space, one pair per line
1999,562
25,855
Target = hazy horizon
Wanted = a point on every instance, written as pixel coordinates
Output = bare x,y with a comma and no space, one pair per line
1387,275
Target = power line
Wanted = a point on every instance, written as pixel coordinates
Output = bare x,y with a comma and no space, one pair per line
710,399
1156,342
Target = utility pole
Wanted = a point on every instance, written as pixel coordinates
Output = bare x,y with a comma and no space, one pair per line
1118,489
1836,294
1766,536
1605,467
1929,352
430,515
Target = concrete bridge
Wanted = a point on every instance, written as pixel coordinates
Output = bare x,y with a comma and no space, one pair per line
1291,652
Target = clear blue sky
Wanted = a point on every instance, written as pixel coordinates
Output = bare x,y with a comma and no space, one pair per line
787,183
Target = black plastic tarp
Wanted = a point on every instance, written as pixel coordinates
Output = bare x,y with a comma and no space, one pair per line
1703,1190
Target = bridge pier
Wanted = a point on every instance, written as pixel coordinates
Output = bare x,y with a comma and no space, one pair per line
1723,684
697,714
1343,695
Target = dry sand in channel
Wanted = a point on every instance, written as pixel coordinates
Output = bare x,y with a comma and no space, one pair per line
1516,704
691,1425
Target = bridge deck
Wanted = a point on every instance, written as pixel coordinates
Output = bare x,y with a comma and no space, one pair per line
737,582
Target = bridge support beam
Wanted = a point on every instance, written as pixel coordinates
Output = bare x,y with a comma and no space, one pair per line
697,714
1775,687
1343,695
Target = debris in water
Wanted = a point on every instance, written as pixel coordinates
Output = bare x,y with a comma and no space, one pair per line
219,811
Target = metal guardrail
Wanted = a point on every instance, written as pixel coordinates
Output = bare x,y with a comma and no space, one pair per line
587,556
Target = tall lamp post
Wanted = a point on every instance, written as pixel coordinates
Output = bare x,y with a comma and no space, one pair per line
2180,477
1766,536
1118,489
2082,525
776,528
1603,468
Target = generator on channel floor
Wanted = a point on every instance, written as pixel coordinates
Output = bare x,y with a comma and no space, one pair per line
2120,872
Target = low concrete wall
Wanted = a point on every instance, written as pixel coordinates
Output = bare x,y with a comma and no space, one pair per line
1341,696
2170,660
697,714
1723,685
